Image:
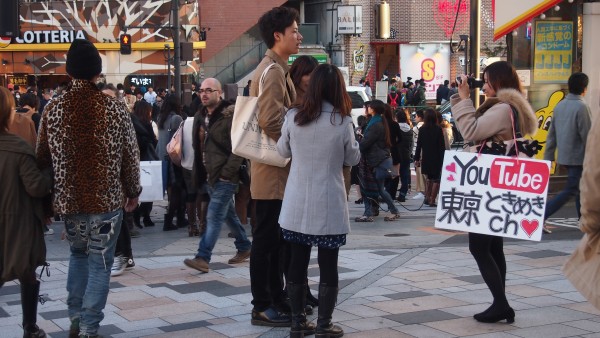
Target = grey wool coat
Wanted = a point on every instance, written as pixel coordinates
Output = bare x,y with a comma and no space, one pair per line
314,201
22,246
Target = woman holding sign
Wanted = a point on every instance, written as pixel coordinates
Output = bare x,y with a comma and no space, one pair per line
492,121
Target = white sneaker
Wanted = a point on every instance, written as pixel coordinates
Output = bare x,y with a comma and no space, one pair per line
118,266
49,232
418,196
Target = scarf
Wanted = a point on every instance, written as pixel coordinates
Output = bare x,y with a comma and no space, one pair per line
374,119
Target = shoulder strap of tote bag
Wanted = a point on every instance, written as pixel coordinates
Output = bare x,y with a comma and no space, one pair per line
262,77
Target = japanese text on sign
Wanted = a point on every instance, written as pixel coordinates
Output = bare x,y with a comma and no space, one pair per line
553,51
493,195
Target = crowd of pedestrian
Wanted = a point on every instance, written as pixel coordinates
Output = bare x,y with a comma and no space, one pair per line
75,153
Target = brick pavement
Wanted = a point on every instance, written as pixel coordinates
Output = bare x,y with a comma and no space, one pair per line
401,279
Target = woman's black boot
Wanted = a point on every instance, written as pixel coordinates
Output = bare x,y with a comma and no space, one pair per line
168,224
297,295
29,300
327,299
495,313
310,299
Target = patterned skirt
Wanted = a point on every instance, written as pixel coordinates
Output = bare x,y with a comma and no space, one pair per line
321,241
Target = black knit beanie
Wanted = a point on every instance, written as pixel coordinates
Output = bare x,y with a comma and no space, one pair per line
83,60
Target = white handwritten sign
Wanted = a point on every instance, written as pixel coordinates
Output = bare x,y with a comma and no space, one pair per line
151,181
493,195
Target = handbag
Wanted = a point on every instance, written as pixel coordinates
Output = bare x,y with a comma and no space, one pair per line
247,138
383,170
175,146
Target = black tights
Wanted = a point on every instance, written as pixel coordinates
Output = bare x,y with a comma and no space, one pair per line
300,257
489,254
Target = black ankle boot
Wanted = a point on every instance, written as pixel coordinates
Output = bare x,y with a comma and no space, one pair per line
300,327
168,224
327,299
29,299
495,313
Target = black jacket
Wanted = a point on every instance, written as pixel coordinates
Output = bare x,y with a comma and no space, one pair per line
220,162
372,145
145,138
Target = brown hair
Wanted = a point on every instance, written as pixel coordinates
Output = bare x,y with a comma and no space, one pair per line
501,75
142,109
326,84
379,108
7,104
303,65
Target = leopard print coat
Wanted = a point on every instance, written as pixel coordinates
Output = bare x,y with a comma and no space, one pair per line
88,140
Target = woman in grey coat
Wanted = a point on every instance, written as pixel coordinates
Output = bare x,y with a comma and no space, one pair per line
320,139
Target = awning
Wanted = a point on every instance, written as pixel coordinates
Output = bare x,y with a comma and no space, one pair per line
510,14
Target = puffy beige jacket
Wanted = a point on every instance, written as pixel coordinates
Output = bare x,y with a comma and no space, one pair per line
492,118
278,94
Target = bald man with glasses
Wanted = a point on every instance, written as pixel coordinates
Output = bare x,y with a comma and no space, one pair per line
220,167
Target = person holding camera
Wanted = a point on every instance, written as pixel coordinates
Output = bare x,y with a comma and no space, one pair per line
492,121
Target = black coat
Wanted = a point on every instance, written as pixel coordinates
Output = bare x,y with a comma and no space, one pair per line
145,138
431,142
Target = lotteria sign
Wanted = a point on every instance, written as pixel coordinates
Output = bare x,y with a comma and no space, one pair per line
55,36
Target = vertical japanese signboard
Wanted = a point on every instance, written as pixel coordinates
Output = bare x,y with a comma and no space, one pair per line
493,195
553,51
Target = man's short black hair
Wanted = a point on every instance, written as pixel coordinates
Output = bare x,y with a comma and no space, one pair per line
276,20
578,82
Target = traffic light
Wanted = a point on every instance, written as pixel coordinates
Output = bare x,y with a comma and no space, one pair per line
125,41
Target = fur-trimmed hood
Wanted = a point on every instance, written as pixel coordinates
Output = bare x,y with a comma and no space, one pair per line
528,124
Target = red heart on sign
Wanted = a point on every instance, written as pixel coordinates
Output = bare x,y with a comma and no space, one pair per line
451,167
529,226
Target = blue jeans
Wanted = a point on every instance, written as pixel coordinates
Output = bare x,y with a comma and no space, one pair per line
221,209
380,176
404,177
571,189
92,238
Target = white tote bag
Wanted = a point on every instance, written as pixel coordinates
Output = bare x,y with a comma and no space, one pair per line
151,181
247,138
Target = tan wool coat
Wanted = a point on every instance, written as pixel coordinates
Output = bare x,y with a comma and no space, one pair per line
583,267
278,94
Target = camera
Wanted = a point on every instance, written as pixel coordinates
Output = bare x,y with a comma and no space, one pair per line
472,82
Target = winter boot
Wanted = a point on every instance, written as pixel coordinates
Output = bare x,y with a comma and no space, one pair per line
300,327
168,224
310,299
29,300
327,299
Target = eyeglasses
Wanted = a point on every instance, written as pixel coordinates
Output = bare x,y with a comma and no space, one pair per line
207,91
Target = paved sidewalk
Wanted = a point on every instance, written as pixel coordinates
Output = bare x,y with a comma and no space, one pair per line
397,279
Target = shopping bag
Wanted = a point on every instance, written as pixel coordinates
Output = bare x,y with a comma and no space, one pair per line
151,181
175,146
247,138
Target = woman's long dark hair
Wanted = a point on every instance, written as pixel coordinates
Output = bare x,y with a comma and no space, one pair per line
141,110
379,109
303,65
170,104
430,118
326,84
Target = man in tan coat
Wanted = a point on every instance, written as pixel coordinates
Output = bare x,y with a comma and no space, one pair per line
279,29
